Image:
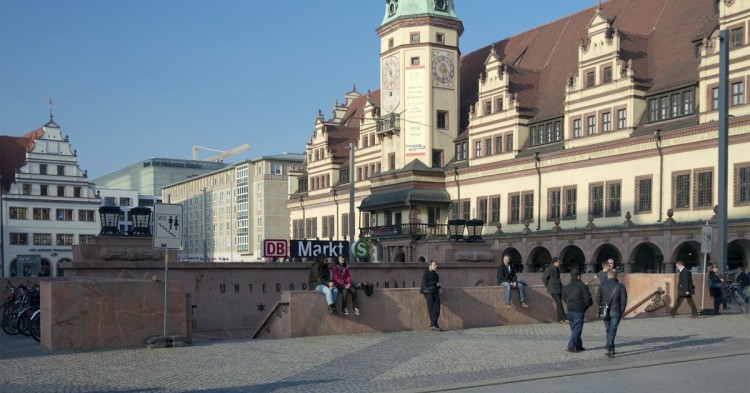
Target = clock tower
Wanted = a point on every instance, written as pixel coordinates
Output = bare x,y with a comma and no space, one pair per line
419,81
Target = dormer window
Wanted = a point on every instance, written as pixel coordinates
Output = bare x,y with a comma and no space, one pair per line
440,38
392,7
670,105
441,5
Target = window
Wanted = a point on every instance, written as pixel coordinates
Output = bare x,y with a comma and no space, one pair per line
415,61
442,120
64,214
514,208
61,170
19,238
482,209
621,119
676,105
311,228
697,50
344,176
528,205
488,147
653,110
43,189
277,169
126,201
704,189
742,184
607,74
297,229
577,128
42,169
738,93
27,189
606,122
688,106
440,38
478,149
570,195
613,198
328,227
359,173
495,210
671,105
681,190
509,143
590,79
715,98
498,104
591,125
465,209
498,144
64,239
41,213
437,159
42,239
548,132
664,108
596,200
345,224
259,222
553,201
643,194
487,107
87,215
736,37
433,215
414,37
390,43
17,213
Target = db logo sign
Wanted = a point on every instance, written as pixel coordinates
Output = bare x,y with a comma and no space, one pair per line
274,248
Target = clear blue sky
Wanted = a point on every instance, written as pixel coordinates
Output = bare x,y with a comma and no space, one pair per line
133,79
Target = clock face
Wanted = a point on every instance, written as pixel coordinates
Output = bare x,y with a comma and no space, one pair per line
443,70
391,73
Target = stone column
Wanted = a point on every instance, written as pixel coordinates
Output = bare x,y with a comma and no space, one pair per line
590,266
628,267
668,267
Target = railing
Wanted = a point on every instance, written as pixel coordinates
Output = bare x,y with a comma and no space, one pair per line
416,231
388,124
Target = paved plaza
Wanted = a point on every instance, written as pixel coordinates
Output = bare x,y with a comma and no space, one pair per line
667,351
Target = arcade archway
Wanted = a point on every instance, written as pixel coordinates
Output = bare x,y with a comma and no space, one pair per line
540,258
515,258
689,253
605,252
572,257
647,258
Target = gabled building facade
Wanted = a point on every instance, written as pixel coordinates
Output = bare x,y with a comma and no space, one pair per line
590,137
48,203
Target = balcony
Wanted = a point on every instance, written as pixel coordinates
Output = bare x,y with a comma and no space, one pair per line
388,125
414,231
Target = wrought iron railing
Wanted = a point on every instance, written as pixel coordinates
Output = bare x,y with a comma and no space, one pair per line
388,124
403,230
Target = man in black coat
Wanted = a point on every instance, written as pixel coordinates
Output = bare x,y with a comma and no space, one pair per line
551,280
506,278
578,298
685,290
615,295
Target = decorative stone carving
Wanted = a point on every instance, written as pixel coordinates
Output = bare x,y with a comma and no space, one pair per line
627,223
526,229
474,256
669,220
556,228
499,230
591,226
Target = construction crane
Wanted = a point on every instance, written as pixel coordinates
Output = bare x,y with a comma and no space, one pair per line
222,153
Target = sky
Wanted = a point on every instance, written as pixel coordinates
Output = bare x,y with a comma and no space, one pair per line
134,79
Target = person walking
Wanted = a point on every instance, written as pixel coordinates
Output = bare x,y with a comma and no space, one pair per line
343,281
578,298
685,290
615,295
506,277
430,288
551,280
714,286
320,281
606,266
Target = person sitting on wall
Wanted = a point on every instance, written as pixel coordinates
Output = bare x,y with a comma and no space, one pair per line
506,277
320,281
343,281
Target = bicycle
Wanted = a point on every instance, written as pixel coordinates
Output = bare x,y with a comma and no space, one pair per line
732,293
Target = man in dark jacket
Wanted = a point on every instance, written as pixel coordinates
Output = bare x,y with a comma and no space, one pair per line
685,290
551,280
614,294
578,298
506,277
320,281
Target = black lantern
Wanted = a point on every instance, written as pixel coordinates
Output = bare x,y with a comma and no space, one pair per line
109,217
141,219
474,227
456,229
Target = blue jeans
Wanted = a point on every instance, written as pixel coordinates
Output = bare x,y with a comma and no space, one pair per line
576,329
521,285
330,293
610,324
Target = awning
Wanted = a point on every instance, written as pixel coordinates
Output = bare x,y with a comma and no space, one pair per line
404,197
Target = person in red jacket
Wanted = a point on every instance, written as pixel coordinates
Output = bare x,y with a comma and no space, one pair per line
343,281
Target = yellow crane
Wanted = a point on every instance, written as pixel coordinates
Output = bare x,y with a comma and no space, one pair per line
222,153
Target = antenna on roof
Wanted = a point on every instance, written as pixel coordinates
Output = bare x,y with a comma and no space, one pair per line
49,103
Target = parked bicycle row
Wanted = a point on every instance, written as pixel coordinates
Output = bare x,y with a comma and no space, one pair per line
20,311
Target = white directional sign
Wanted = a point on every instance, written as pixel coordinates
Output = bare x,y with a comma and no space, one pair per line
706,239
167,226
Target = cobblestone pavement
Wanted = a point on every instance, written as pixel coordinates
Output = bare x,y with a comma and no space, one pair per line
407,361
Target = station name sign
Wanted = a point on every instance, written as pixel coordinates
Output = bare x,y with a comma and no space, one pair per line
312,248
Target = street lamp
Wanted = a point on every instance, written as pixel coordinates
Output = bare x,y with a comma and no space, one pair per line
456,229
474,227
141,218
109,217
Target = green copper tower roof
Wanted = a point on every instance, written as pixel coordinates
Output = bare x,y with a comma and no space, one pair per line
397,9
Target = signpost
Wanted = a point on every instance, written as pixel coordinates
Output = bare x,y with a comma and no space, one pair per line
167,236
707,233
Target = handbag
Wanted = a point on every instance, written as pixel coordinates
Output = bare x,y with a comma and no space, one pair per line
604,306
714,284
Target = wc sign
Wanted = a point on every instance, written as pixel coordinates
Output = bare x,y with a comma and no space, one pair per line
275,248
